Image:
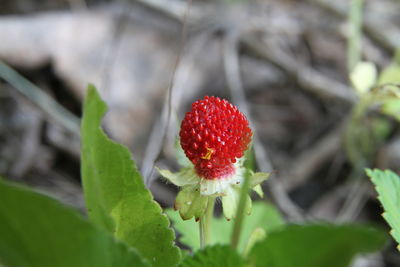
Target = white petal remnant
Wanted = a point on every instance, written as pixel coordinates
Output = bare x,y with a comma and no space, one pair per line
218,187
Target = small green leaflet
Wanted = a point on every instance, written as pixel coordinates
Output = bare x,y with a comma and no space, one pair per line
38,231
387,184
116,197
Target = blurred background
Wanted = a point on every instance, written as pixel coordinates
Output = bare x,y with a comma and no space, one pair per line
283,62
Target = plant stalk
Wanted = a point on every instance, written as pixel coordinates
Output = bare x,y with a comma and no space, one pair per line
355,34
205,223
237,227
201,231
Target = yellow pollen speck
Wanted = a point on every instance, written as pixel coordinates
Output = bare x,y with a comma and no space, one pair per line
210,151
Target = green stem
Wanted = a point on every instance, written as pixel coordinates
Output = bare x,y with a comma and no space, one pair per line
237,227
201,231
205,223
355,34
54,110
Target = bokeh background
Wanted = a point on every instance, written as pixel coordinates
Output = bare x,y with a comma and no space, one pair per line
283,62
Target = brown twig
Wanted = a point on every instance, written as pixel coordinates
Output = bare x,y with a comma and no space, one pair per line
309,160
378,34
306,77
234,82
160,129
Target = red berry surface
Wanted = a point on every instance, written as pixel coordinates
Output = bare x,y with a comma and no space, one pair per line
214,134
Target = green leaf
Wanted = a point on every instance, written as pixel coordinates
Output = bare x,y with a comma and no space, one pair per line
390,75
215,256
315,246
263,215
36,230
363,77
387,184
116,197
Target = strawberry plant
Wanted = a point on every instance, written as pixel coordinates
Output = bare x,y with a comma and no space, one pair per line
125,226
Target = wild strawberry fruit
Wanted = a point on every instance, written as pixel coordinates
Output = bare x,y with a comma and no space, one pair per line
214,134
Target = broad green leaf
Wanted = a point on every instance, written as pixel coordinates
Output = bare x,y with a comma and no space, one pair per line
263,215
363,77
36,230
315,246
116,197
387,184
215,256
390,75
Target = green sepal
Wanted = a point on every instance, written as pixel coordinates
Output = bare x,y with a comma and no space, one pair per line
230,203
191,203
186,176
258,177
258,189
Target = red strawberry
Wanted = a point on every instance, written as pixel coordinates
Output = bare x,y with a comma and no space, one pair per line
213,135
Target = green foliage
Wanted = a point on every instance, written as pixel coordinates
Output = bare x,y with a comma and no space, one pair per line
391,107
315,246
214,256
263,215
366,131
116,197
387,184
38,231
390,74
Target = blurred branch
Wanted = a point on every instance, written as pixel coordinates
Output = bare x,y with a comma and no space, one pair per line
159,132
54,110
376,33
78,5
29,143
310,159
354,202
113,47
235,85
306,77
174,9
